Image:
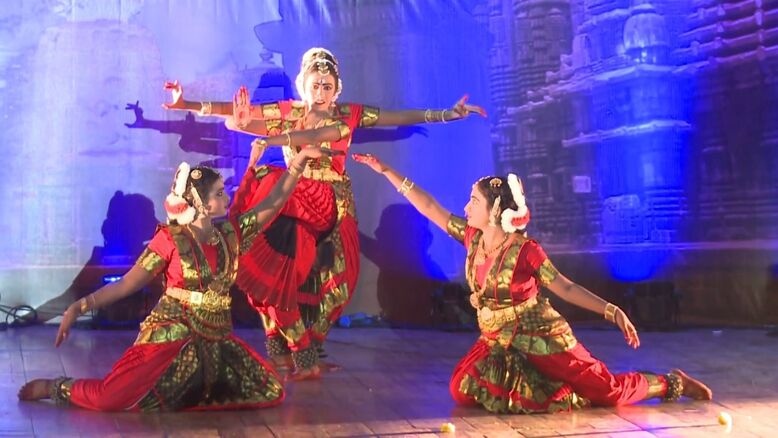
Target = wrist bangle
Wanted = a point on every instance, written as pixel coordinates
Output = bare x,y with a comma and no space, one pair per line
428,116
83,306
610,312
294,171
206,108
443,116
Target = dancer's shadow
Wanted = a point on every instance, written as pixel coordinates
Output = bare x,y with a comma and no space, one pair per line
128,225
375,135
208,138
408,278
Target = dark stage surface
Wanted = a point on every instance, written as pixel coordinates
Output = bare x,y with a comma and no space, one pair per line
395,383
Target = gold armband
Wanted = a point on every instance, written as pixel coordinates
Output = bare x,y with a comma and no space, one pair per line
405,187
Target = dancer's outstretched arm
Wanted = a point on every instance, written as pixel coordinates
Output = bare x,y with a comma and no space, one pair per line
132,281
249,118
245,117
423,201
219,109
578,295
460,110
240,115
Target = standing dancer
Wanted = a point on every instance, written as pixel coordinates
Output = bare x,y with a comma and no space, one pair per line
301,273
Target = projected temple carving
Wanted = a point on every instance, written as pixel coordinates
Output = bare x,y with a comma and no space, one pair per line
622,117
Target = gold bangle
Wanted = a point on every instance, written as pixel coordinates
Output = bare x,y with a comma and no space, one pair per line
294,171
206,108
405,187
428,116
610,312
443,116
288,139
83,306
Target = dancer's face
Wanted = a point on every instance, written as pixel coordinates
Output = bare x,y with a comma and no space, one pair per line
218,199
320,90
477,209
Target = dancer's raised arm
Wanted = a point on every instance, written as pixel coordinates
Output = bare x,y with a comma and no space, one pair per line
423,201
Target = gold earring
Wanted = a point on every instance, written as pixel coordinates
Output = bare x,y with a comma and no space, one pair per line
494,214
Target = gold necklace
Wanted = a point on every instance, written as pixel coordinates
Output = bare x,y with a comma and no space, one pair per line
481,254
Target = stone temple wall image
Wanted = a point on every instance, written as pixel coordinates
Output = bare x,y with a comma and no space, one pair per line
635,121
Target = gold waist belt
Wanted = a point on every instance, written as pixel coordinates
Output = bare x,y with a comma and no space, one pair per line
324,174
207,300
491,320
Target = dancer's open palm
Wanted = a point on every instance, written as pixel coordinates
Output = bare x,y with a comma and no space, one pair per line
176,94
370,161
241,107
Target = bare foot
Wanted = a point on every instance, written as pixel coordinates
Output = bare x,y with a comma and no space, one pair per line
311,373
328,367
37,389
693,388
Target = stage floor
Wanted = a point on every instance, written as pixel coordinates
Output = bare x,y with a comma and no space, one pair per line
395,383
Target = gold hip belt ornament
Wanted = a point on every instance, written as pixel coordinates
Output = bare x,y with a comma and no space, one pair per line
207,300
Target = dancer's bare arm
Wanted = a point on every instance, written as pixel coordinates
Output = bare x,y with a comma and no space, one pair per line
132,281
460,110
420,199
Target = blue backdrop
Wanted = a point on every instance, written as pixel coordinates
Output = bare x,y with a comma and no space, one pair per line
641,129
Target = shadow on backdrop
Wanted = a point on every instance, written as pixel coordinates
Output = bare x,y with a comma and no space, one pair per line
412,289
128,226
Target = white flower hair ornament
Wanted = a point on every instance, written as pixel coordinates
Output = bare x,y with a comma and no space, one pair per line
515,220
176,207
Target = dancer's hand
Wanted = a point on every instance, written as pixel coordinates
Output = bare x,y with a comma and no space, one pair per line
257,150
241,107
68,318
462,109
626,327
177,95
370,161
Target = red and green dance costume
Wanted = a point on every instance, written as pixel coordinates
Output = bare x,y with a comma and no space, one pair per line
186,356
300,273
527,358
